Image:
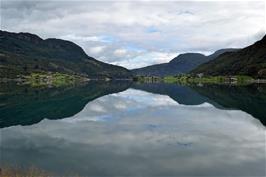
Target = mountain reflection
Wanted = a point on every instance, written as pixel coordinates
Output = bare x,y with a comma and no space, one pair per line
250,99
20,105
136,133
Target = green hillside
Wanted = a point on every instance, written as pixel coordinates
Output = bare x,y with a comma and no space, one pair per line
24,53
181,64
247,61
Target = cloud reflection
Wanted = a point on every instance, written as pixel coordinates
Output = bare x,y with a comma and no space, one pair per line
135,133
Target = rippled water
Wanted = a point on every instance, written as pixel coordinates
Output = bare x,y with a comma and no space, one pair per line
179,131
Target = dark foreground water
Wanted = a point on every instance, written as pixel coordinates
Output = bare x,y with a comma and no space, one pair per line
129,129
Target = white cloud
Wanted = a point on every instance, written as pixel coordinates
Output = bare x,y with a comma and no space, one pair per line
120,52
73,37
96,50
152,27
145,59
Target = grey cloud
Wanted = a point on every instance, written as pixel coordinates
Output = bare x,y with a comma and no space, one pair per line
178,26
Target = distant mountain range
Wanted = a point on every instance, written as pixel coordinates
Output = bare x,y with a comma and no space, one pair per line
247,61
183,63
24,53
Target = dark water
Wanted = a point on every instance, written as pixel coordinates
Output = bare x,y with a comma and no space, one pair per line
130,129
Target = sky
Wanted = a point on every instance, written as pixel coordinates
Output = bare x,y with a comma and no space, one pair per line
135,34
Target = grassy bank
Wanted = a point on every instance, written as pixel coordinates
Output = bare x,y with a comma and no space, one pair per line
51,79
186,79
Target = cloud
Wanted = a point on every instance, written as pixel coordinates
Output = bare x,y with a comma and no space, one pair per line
97,49
104,39
146,58
120,52
131,31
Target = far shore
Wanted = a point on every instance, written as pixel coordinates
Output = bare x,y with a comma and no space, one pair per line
188,79
49,79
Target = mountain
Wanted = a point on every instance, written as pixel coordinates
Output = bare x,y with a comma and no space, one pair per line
23,53
247,61
183,63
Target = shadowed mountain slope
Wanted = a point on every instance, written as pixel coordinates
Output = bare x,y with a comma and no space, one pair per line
23,53
247,61
183,63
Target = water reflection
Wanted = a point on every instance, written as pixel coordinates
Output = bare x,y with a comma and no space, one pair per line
21,105
135,133
251,98
27,106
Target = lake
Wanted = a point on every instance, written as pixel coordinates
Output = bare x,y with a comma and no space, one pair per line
135,129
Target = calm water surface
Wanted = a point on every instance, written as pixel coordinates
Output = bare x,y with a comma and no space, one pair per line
125,129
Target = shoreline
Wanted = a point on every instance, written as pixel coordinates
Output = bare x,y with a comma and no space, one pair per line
187,79
55,79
